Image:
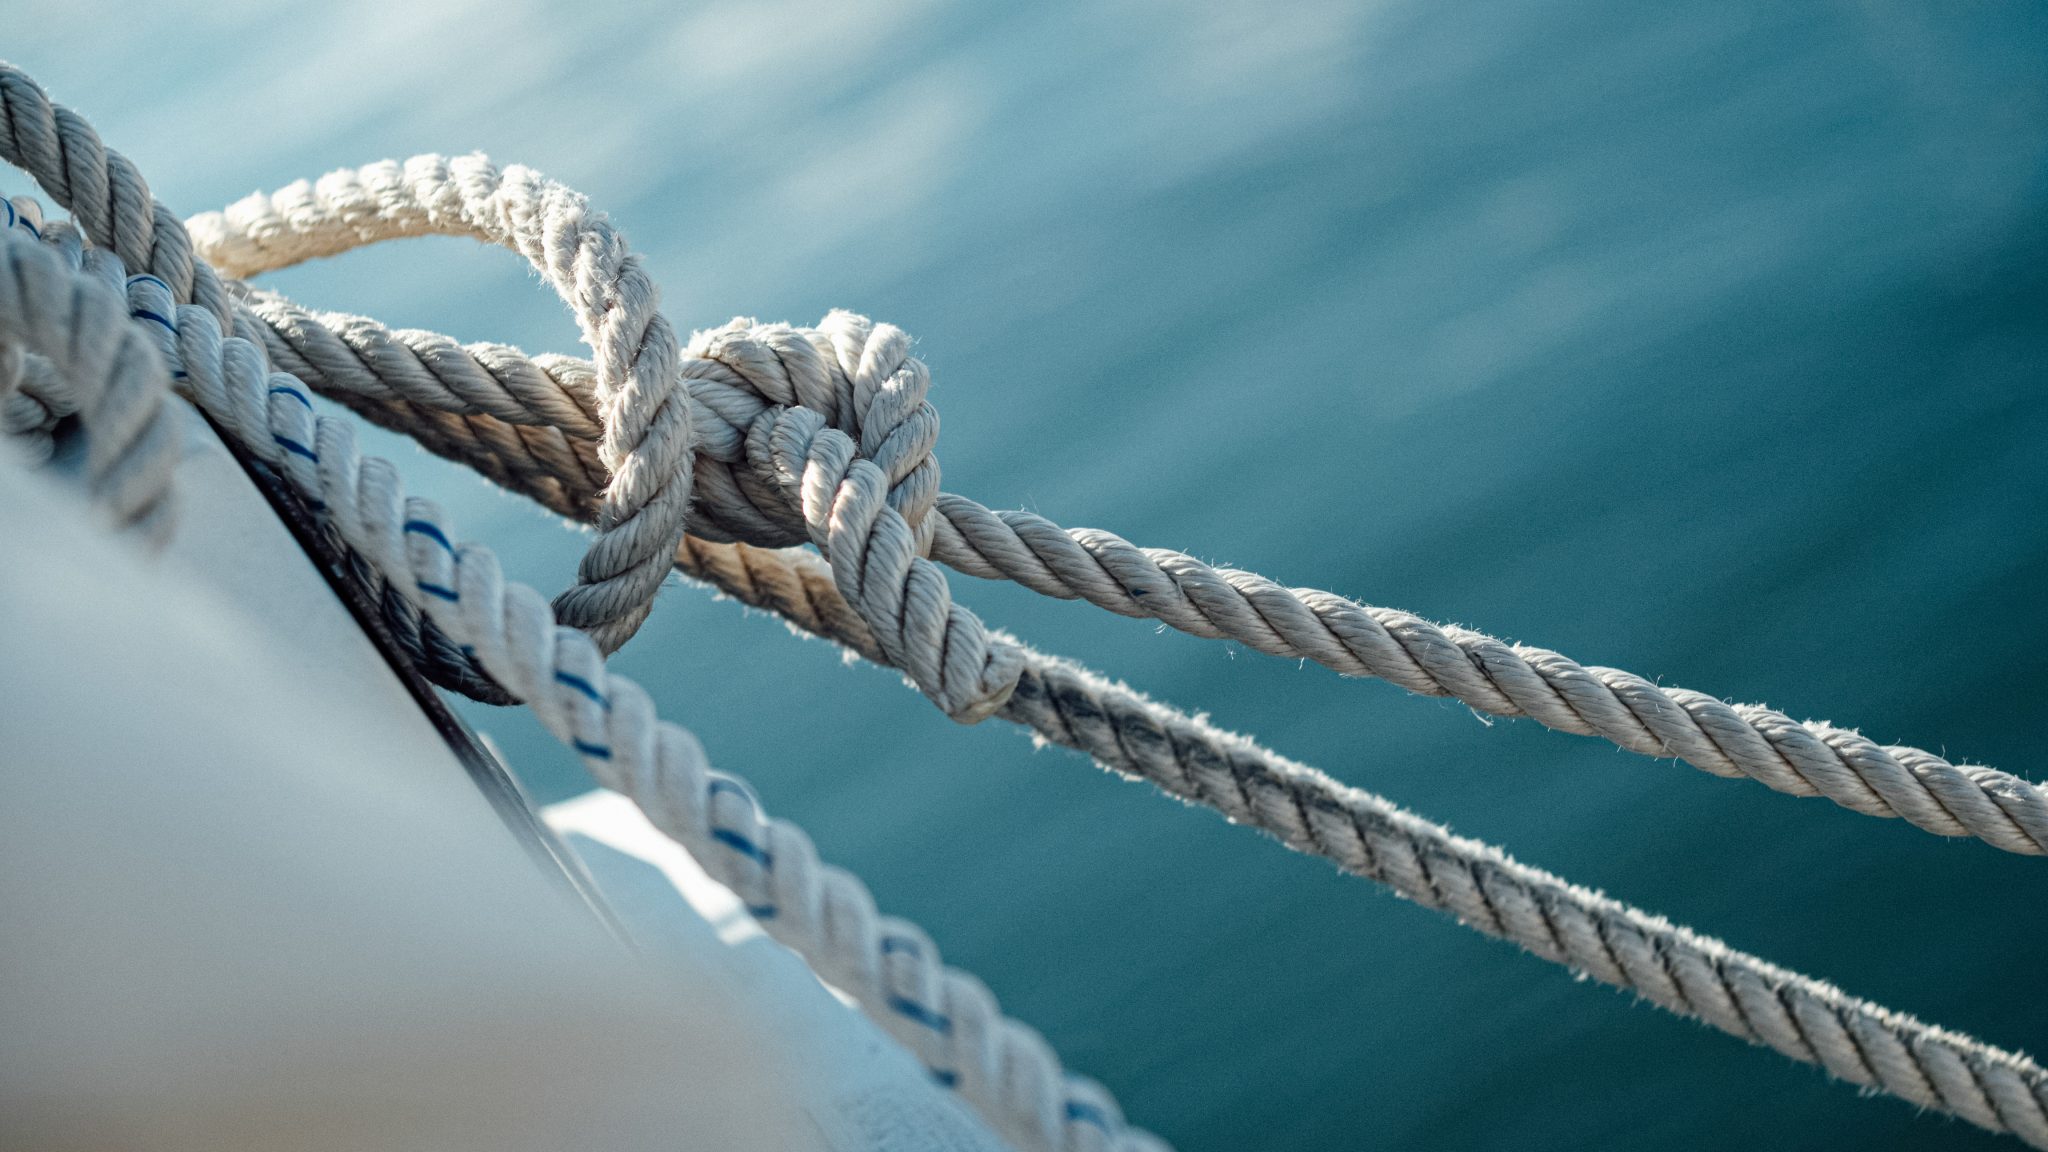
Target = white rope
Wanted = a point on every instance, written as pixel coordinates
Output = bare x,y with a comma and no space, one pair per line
560,672
1675,968
644,440
823,912
742,373
1672,966
821,434
65,317
1800,758
1693,975
889,966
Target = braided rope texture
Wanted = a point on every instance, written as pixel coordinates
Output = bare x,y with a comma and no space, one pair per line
643,439
1673,967
822,435
559,671
889,966
739,500
63,308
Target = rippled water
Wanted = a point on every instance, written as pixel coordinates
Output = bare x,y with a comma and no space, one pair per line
1703,340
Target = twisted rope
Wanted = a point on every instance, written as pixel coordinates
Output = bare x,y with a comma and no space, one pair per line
1680,970
818,434
643,439
610,721
102,190
1673,967
887,965
66,314
1800,758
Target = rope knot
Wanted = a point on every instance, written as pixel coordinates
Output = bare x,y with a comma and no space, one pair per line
824,435
857,376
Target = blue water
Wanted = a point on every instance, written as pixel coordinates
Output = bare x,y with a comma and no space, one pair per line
1706,340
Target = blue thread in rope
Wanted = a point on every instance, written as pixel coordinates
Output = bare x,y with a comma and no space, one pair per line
438,591
431,531
583,686
743,846
936,1021
1087,1114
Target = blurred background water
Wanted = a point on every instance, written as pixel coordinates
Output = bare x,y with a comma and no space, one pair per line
1705,340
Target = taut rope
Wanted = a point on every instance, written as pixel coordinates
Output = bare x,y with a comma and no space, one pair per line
824,436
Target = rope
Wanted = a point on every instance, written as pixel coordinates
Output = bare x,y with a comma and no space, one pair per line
644,439
65,314
1799,758
1673,967
889,966
843,475
817,434
1682,971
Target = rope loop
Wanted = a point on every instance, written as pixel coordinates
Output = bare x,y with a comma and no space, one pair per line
858,376
833,446
644,424
825,435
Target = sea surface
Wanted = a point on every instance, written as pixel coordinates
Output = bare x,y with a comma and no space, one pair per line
1707,340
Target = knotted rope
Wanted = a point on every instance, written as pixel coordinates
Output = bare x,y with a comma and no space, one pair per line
824,435
887,965
643,434
945,1017
1800,758
1675,968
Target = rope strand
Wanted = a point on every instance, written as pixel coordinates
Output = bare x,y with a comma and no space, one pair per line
889,966
1799,758
1673,967
62,313
1680,970
832,445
